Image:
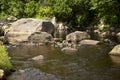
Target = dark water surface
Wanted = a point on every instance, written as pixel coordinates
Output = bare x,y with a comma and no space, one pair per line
90,63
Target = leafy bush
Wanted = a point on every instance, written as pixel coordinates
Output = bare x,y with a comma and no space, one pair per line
76,12
5,63
44,12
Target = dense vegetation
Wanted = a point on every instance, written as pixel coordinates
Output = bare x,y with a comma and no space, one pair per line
80,13
5,63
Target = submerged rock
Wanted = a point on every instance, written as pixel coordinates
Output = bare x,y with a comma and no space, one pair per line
22,29
115,50
69,50
89,42
37,58
32,74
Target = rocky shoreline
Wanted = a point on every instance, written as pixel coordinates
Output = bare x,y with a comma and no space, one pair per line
35,32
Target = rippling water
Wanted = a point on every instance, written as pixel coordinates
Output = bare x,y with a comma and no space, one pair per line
90,63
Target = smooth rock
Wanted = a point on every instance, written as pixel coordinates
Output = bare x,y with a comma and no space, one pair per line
69,50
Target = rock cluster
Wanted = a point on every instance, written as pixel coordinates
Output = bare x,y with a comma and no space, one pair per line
29,31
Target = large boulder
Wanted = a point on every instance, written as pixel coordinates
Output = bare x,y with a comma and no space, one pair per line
31,74
115,50
22,29
77,36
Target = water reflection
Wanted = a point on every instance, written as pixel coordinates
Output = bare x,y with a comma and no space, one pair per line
90,63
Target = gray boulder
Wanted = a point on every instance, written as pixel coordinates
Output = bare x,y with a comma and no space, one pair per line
22,29
115,50
40,37
31,74
77,36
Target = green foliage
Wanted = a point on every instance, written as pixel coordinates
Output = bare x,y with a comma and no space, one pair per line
5,63
44,12
30,9
78,12
106,10
61,9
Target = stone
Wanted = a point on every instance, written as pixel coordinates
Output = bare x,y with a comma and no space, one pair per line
77,36
37,58
61,31
115,50
22,29
1,73
40,37
32,74
89,42
69,50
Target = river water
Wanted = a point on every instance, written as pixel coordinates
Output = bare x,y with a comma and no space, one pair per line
89,63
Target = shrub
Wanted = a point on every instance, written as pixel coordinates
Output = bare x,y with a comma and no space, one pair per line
5,63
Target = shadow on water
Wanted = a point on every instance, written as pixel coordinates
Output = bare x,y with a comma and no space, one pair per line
90,63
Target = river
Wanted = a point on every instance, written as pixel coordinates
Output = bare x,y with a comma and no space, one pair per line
89,63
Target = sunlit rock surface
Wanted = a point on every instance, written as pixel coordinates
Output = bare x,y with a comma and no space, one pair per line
115,50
